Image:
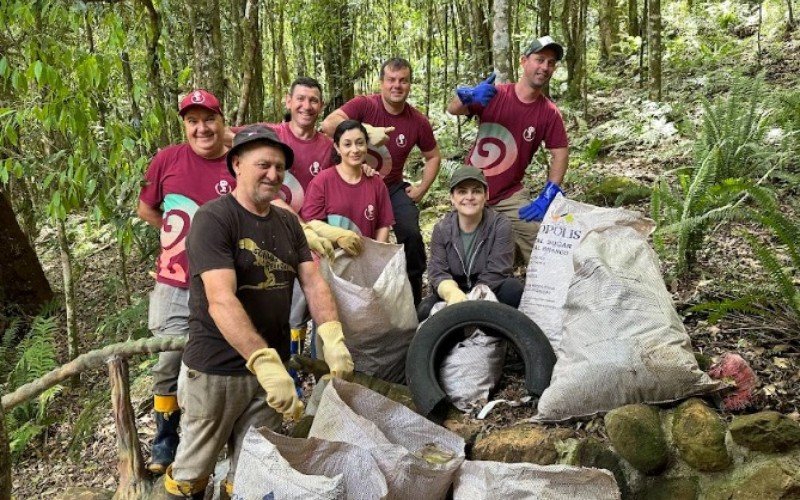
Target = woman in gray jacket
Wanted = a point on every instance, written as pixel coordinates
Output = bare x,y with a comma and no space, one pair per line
471,245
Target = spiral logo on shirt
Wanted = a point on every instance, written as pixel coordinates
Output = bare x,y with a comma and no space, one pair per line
379,159
529,133
292,192
222,187
495,149
314,168
401,140
369,212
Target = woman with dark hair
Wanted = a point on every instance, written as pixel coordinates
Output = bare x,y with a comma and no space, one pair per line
471,245
344,197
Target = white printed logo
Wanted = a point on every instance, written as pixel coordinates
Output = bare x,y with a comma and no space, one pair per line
369,212
401,140
222,187
314,168
197,97
529,133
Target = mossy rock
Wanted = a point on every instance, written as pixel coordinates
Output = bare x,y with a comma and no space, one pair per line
615,191
766,431
666,488
591,452
635,431
778,478
699,435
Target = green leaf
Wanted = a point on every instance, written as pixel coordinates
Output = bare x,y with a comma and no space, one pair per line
128,143
4,67
37,71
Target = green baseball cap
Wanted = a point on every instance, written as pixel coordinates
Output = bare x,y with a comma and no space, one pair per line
545,42
467,173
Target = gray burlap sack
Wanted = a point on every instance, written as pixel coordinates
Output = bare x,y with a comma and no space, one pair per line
417,457
305,469
623,340
522,481
474,366
550,268
376,307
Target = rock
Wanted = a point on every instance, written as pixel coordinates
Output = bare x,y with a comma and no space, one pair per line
466,428
670,488
767,431
699,434
590,452
535,444
635,432
81,493
778,478
401,394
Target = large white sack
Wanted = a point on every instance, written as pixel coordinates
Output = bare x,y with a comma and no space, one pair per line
623,340
473,367
305,469
550,268
418,458
376,307
479,480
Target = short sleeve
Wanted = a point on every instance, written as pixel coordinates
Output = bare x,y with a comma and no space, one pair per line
386,218
314,201
556,135
209,243
426,141
151,193
355,108
300,241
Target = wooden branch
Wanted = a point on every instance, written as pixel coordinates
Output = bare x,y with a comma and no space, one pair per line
134,479
90,361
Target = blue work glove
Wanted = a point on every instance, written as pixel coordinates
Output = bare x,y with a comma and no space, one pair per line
481,93
535,210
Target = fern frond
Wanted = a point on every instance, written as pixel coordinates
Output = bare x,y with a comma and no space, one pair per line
36,353
788,291
718,309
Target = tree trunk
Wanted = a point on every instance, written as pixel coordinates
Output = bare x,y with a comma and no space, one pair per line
790,25
209,56
609,28
633,18
544,18
336,38
22,280
250,35
654,50
159,97
573,21
482,39
69,289
500,41
428,52
134,480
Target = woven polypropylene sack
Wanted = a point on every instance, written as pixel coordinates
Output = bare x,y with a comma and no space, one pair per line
314,468
474,366
550,268
376,307
623,340
490,480
418,458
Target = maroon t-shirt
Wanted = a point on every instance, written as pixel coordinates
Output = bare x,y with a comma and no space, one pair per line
510,132
178,181
363,207
412,128
310,157
265,253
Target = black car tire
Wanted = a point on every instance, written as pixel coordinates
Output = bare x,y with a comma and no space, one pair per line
436,337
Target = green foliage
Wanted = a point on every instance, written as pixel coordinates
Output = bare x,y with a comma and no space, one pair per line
35,356
127,323
614,191
95,408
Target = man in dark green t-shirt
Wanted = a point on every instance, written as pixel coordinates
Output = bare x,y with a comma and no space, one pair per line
244,255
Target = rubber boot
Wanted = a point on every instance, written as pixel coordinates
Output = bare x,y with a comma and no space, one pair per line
196,490
225,489
165,442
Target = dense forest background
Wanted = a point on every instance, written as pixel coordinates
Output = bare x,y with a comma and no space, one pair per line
686,110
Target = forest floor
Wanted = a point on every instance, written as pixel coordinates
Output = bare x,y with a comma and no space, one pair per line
51,464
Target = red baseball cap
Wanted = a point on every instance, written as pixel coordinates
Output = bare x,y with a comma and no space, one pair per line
201,98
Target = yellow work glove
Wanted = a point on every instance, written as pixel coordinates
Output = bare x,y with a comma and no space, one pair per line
347,240
266,365
378,135
320,246
449,291
333,349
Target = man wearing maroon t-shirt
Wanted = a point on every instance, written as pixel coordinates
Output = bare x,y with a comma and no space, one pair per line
394,127
515,119
179,179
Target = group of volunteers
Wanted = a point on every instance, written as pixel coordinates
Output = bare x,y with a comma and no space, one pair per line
264,203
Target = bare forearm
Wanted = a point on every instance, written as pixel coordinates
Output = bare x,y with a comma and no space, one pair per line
382,235
558,165
149,214
319,297
456,107
332,121
235,325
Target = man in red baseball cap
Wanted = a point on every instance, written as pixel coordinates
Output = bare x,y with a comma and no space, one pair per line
179,179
